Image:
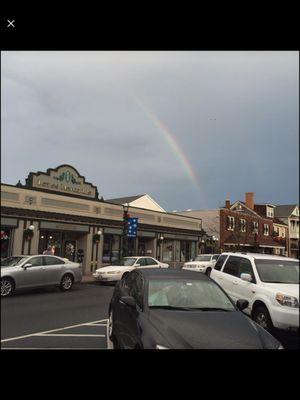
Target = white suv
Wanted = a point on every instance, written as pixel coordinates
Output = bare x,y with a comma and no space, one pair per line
202,263
269,283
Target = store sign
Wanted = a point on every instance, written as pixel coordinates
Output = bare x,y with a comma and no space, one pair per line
64,227
63,179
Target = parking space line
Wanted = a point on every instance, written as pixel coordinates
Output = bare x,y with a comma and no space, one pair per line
95,324
66,334
50,331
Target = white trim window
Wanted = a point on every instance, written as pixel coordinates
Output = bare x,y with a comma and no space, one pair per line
243,225
230,223
255,227
266,229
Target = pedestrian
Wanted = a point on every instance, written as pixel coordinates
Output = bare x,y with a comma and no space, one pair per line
49,251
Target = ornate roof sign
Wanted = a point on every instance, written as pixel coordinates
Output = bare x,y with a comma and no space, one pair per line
64,179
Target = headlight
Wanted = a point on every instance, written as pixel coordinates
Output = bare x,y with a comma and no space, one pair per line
288,301
159,347
280,347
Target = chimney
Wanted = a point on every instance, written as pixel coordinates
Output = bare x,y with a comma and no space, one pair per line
249,200
227,203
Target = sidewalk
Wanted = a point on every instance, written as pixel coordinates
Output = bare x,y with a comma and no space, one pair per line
88,278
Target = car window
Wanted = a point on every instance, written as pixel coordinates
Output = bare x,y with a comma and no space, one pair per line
36,261
151,261
220,262
126,282
142,262
53,261
232,266
136,289
246,268
216,256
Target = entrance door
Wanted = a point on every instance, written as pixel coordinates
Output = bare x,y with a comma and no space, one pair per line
69,249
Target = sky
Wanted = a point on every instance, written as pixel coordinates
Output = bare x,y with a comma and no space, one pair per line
190,128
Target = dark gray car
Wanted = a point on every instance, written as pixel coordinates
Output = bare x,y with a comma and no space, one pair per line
20,272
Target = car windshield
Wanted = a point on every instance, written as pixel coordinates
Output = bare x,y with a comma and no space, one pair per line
188,294
126,262
12,261
203,258
277,271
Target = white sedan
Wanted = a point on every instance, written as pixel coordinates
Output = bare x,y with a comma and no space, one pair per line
115,272
203,263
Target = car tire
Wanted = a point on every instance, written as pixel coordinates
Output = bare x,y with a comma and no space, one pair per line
66,282
124,275
262,317
7,287
208,271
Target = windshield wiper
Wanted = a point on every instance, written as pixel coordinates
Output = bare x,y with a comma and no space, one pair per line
210,309
172,307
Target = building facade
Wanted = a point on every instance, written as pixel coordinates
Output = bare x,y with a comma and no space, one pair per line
289,214
238,227
64,211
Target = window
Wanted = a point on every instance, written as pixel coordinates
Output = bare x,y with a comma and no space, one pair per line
216,256
150,261
136,289
230,223
232,266
220,262
266,229
53,261
36,261
246,268
243,225
255,227
167,250
5,242
142,262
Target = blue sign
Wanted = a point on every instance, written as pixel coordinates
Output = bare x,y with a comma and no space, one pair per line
132,227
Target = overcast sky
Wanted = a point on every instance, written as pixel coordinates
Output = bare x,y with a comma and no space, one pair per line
188,128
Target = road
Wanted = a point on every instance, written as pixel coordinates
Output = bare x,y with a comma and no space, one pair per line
51,319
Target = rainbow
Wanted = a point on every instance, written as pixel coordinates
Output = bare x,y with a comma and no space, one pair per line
172,142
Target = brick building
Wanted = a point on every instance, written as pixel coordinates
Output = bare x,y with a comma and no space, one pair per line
239,226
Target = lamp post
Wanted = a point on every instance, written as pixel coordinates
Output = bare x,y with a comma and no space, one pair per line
125,228
161,239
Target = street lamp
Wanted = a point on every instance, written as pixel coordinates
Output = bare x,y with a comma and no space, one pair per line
125,227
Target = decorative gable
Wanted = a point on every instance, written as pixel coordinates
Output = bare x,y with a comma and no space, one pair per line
241,207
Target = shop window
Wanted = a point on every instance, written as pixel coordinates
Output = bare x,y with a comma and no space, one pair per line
5,243
167,250
177,250
111,248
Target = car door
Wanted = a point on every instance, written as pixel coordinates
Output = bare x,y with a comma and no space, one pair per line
229,273
53,270
33,276
129,332
243,289
216,274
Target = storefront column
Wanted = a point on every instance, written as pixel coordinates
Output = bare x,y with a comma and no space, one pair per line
87,248
100,251
34,245
18,239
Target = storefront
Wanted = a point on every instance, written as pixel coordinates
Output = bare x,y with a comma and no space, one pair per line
64,211
8,226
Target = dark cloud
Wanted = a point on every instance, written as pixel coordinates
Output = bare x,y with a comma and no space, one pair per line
233,114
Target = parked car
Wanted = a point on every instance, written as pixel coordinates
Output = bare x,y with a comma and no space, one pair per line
269,283
20,272
175,309
203,263
119,268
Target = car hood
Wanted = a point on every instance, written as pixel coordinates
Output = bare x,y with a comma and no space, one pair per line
112,268
285,288
206,329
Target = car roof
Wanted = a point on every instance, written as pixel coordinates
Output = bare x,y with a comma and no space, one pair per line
138,257
171,273
259,256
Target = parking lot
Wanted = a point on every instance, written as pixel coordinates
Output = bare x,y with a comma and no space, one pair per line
50,319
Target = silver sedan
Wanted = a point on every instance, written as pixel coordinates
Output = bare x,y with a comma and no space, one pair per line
20,272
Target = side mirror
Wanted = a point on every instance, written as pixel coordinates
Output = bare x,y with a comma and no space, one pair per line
242,304
246,277
27,266
128,300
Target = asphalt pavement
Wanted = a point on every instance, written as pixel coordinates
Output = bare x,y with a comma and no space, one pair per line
51,319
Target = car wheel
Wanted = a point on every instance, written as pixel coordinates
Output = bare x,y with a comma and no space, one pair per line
7,287
262,317
208,271
66,282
